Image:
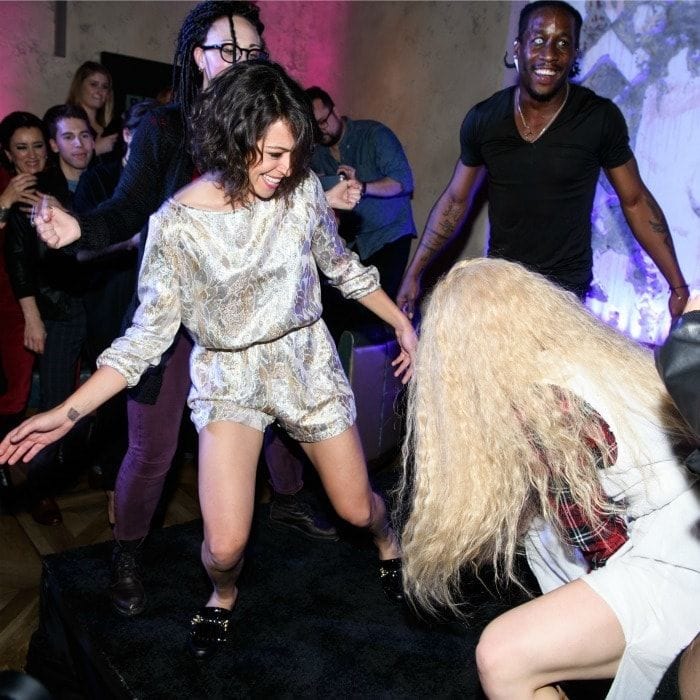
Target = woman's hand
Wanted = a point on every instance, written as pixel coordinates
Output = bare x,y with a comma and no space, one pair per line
24,442
345,195
405,360
34,334
36,200
56,227
19,189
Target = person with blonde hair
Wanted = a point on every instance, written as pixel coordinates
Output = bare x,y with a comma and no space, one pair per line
91,89
533,426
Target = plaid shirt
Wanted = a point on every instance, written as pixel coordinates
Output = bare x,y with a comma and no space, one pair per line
599,543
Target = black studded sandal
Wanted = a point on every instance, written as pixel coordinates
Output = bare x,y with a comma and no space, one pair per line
391,579
209,629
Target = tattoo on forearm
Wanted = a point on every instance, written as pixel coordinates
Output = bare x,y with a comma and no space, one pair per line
657,222
73,415
430,243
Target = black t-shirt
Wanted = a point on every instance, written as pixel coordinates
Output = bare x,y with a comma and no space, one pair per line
541,194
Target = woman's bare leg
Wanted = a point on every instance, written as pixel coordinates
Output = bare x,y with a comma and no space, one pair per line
568,634
228,459
343,471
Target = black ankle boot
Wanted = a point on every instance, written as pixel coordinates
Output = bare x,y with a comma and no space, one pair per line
292,512
125,588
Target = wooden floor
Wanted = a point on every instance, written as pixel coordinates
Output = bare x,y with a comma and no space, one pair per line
23,542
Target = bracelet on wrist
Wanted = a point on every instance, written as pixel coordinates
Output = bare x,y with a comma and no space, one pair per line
4,214
680,286
363,190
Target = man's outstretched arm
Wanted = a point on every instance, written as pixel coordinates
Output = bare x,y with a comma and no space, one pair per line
444,219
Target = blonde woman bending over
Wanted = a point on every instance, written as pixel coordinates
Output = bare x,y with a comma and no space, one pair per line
534,426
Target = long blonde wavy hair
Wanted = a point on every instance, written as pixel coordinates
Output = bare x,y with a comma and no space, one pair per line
490,443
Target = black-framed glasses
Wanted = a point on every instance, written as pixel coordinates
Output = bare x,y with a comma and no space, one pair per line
232,53
323,122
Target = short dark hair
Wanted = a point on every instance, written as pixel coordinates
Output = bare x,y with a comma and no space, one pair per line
234,112
187,79
10,124
57,112
317,93
533,7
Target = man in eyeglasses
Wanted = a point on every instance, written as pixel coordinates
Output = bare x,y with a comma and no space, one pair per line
381,227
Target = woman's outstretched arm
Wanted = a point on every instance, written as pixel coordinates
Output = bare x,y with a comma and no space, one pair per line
379,303
41,430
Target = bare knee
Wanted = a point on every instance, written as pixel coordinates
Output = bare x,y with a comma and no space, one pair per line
222,555
500,666
357,512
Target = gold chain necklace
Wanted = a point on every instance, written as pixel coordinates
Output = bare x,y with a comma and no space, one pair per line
529,134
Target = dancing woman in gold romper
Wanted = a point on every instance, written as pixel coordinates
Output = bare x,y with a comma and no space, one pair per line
233,257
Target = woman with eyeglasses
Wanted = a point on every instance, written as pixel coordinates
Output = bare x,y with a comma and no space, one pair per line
212,35
235,258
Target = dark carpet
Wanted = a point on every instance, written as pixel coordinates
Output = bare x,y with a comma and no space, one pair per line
311,621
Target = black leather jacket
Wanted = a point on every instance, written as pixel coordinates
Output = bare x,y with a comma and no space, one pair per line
53,277
678,361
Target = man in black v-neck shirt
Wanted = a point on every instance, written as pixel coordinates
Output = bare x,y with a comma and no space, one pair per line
541,145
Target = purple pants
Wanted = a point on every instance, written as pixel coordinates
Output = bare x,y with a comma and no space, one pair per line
153,434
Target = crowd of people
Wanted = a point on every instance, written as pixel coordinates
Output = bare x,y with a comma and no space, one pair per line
532,427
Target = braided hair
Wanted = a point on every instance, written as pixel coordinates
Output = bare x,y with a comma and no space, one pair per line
187,80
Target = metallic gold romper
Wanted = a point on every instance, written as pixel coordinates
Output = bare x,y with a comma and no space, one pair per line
245,285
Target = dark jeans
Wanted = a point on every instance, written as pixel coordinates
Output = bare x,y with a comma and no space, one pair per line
58,375
153,435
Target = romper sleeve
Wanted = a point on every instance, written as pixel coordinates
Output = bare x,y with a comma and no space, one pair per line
342,267
158,316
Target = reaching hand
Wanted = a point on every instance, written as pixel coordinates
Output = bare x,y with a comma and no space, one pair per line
56,227
345,195
18,189
405,360
24,442
409,292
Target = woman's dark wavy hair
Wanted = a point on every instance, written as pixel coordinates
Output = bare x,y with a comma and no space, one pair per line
233,114
10,124
187,80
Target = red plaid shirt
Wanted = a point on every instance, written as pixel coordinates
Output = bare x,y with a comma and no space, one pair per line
597,543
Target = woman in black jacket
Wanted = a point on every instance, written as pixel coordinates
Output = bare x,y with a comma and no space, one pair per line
48,285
